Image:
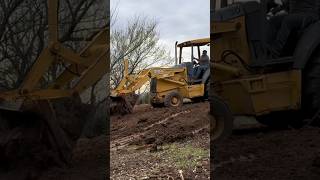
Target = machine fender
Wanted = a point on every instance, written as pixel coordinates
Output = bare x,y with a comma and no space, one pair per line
221,119
306,46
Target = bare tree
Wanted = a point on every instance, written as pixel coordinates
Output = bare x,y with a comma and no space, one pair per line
24,33
139,43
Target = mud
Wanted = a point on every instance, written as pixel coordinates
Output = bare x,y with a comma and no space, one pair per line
263,153
158,126
37,139
88,162
141,142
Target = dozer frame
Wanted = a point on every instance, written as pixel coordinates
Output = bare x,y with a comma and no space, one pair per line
82,70
278,92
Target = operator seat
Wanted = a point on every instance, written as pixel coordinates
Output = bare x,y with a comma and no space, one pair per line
259,33
189,66
190,73
256,25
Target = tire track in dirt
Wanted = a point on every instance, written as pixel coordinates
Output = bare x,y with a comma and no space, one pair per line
141,142
125,141
147,125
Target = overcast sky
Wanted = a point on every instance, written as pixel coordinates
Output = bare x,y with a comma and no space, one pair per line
179,20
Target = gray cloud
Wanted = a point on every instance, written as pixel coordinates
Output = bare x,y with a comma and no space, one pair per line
179,20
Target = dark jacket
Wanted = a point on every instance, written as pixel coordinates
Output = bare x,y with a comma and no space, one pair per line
304,6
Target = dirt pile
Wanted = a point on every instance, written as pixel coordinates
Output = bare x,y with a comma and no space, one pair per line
88,162
158,126
36,139
155,143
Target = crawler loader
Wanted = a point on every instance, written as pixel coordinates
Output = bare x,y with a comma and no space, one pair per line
283,91
42,123
168,86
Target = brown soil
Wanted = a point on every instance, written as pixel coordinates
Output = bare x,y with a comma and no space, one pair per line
263,153
149,125
88,162
139,141
28,146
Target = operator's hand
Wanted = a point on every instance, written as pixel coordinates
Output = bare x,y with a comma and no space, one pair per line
195,60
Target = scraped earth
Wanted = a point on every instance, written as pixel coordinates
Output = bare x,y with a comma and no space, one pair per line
153,143
28,151
263,153
88,163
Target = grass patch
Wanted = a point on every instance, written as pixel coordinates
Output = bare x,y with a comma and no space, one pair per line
184,157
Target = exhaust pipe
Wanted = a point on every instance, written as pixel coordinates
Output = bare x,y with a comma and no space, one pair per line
175,53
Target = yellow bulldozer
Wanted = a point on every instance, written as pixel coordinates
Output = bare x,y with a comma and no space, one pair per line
282,91
48,120
168,86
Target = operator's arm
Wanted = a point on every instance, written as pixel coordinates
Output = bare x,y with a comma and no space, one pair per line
195,60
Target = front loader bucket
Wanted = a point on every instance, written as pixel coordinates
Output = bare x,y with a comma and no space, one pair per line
122,104
221,119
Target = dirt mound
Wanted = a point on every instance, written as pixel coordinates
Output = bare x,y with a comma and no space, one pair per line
161,143
88,162
123,104
269,154
158,126
37,139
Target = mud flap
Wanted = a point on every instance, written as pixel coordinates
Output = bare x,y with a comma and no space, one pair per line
221,119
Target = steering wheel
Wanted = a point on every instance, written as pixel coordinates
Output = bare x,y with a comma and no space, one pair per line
195,63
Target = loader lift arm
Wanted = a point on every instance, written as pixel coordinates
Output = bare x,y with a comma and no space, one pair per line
123,96
82,70
131,82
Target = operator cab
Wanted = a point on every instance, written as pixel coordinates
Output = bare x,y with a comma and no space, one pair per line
195,45
261,26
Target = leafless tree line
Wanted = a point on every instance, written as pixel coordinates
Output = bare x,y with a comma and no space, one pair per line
24,33
137,41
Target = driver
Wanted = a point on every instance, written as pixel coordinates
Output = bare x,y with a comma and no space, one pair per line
203,62
301,14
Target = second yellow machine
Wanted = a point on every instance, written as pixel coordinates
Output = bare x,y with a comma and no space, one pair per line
168,86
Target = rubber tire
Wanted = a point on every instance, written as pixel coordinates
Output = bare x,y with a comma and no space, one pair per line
169,96
221,118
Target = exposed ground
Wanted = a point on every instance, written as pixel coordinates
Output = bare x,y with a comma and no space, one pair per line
27,148
88,163
173,143
262,153
155,143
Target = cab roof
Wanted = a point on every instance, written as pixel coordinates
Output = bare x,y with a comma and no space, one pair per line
195,42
